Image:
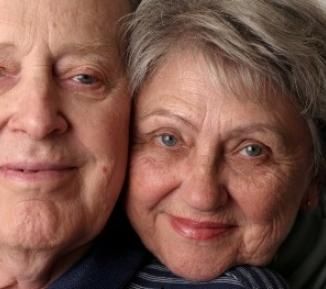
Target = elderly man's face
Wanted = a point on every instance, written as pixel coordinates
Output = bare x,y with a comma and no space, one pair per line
63,120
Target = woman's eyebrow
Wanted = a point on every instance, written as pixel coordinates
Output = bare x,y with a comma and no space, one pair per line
260,127
168,114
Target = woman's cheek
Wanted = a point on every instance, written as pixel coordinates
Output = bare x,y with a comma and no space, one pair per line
149,177
261,193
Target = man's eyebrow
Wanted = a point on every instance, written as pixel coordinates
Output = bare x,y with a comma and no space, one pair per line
83,49
94,50
6,46
7,50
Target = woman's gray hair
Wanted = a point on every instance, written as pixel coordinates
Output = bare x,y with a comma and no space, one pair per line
134,3
278,45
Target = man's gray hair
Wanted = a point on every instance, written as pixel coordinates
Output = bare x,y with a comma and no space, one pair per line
278,45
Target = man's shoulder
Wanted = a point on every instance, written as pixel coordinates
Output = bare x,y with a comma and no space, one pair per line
114,257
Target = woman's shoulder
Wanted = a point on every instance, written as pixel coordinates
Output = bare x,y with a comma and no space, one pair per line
253,277
156,275
302,257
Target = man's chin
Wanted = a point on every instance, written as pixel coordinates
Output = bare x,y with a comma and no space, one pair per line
34,225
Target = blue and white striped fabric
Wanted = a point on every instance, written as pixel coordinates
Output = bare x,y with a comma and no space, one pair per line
157,276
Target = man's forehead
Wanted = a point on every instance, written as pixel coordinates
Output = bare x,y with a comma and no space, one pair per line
110,8
84,26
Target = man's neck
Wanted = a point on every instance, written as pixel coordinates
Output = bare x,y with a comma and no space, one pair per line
26,269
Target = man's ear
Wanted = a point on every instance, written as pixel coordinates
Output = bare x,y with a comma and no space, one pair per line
311,199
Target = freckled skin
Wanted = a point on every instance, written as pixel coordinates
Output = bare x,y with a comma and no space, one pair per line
233,162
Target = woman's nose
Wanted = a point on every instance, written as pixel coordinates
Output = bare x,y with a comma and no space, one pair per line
204,188
37,110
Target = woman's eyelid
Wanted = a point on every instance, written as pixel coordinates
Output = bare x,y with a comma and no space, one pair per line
161,121
272,138
166,131
169,140
164,117
155,131
163,125
240,145
261,150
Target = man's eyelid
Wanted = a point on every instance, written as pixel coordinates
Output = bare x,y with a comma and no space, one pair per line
86,79
93,61
9,64
100,53
100,76
8,53
78,69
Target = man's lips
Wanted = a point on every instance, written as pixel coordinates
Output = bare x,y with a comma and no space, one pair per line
35,171
202,230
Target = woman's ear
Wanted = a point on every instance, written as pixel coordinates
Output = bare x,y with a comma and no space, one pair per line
311,200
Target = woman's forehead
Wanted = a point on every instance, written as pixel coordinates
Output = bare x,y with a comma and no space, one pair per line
186,84
204,67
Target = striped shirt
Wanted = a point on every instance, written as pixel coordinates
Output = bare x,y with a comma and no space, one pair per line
157,276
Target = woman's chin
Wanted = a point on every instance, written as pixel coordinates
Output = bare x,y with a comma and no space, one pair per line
197,271
198,275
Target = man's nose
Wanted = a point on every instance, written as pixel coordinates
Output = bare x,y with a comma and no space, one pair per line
37,110
205,189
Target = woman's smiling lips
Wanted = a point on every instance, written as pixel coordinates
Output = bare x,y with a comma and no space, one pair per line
199,230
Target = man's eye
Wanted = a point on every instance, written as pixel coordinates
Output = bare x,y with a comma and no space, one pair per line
252,150
168,140
85,79
2,71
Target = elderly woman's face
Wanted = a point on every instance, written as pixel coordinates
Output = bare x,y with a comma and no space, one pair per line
63,120
215,180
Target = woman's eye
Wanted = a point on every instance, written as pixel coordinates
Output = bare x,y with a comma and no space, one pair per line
252,150
168,140
85,79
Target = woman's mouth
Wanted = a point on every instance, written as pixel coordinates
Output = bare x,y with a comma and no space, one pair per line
199,230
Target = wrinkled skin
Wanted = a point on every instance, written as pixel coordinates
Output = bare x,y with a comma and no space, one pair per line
216,180
64,113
